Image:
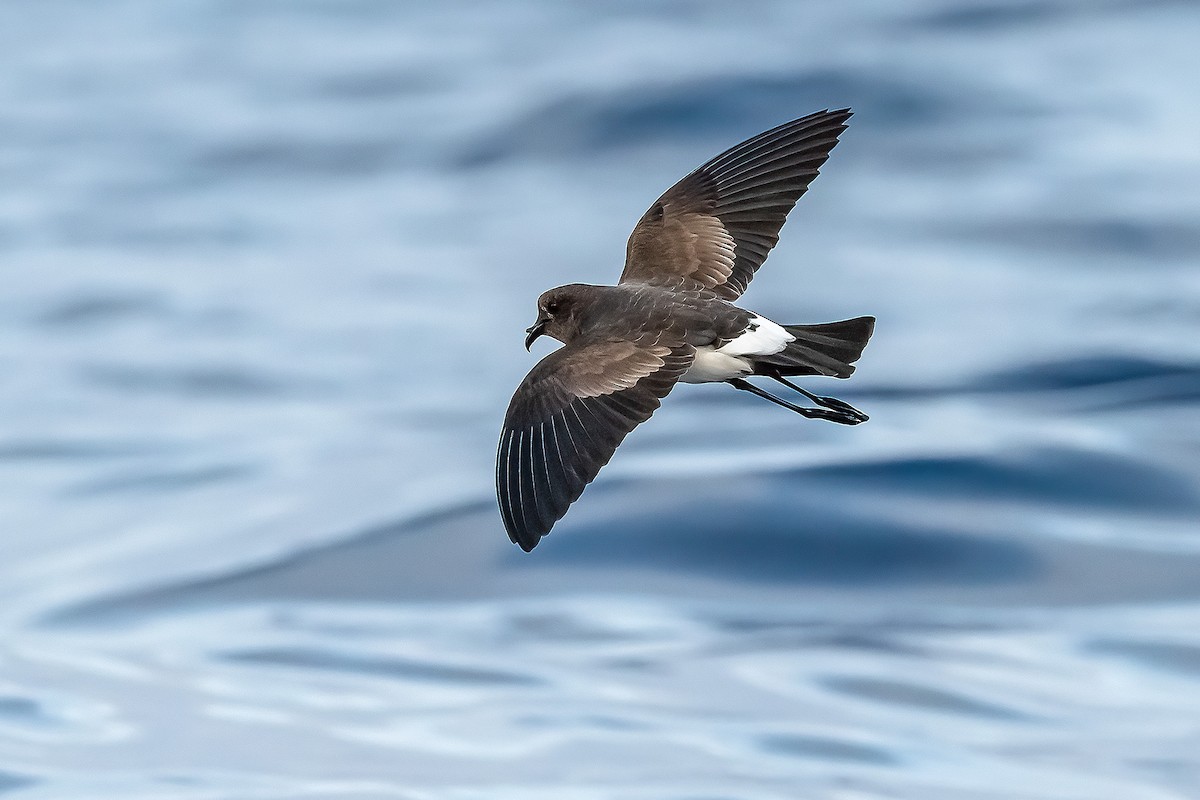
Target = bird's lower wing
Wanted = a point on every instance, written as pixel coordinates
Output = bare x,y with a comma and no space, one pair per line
567,418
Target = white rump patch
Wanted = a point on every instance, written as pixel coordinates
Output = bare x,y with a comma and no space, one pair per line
762,338
734,360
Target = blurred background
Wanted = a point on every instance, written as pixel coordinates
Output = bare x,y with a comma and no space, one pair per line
266,269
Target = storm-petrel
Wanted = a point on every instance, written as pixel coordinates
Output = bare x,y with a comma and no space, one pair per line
671,318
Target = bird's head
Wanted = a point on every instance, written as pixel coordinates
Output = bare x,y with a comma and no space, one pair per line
559,312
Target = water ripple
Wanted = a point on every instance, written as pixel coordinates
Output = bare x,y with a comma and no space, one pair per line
917,696
211,381
798,544
390,667
1182,659
88,310
11,782
827,749
1040,476
720,108
163,480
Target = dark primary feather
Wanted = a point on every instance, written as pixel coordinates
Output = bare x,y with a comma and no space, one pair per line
567,418
715,227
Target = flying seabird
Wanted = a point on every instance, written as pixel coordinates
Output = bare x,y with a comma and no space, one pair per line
671,318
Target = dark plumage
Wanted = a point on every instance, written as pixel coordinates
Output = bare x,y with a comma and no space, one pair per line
670,319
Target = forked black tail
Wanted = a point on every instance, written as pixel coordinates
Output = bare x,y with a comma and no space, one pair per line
827,349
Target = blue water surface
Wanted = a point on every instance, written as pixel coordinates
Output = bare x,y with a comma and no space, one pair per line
266,269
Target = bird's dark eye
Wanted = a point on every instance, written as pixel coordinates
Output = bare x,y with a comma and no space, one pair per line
552,307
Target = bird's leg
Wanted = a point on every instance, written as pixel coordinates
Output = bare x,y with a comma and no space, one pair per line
825,402
831,414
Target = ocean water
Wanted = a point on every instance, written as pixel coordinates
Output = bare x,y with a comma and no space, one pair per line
266,269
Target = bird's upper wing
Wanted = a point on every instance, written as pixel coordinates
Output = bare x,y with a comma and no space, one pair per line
567,418
714,228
